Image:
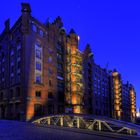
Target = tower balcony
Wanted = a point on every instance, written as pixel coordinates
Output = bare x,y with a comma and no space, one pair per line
77,92
79,83
75,55
76,64
75,74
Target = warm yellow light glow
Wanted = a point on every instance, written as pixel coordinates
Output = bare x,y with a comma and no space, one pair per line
77,109
74,100
75,77
119,113
117,108
115,73
117,94
117,102
78,38
133,104
138,114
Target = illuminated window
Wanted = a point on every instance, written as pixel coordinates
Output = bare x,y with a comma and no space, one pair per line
50,50
19,46
38,78
12,52
18,49
68,60
37,45
50,59
59,57
59,66
38,54
41,32
59,47
34,28
38,94
68,50
38,66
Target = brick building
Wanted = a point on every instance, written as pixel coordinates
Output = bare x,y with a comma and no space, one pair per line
123,98
42,71
101,92
88,62
36,62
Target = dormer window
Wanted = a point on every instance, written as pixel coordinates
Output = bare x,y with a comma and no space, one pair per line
41,32
25,9
38,66
34,28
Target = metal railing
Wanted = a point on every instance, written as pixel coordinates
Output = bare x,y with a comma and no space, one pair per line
84,122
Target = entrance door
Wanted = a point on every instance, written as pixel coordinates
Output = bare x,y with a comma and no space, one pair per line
2,112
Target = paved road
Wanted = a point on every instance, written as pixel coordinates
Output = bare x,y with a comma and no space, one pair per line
12,130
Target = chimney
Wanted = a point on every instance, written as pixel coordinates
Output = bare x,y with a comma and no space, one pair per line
26,11
26,8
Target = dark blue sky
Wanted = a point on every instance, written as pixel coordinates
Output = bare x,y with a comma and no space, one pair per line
112,27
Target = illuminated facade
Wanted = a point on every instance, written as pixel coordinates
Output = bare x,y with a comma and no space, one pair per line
117,95
123,99
132,103
138,113
42,71
74,93
138,116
